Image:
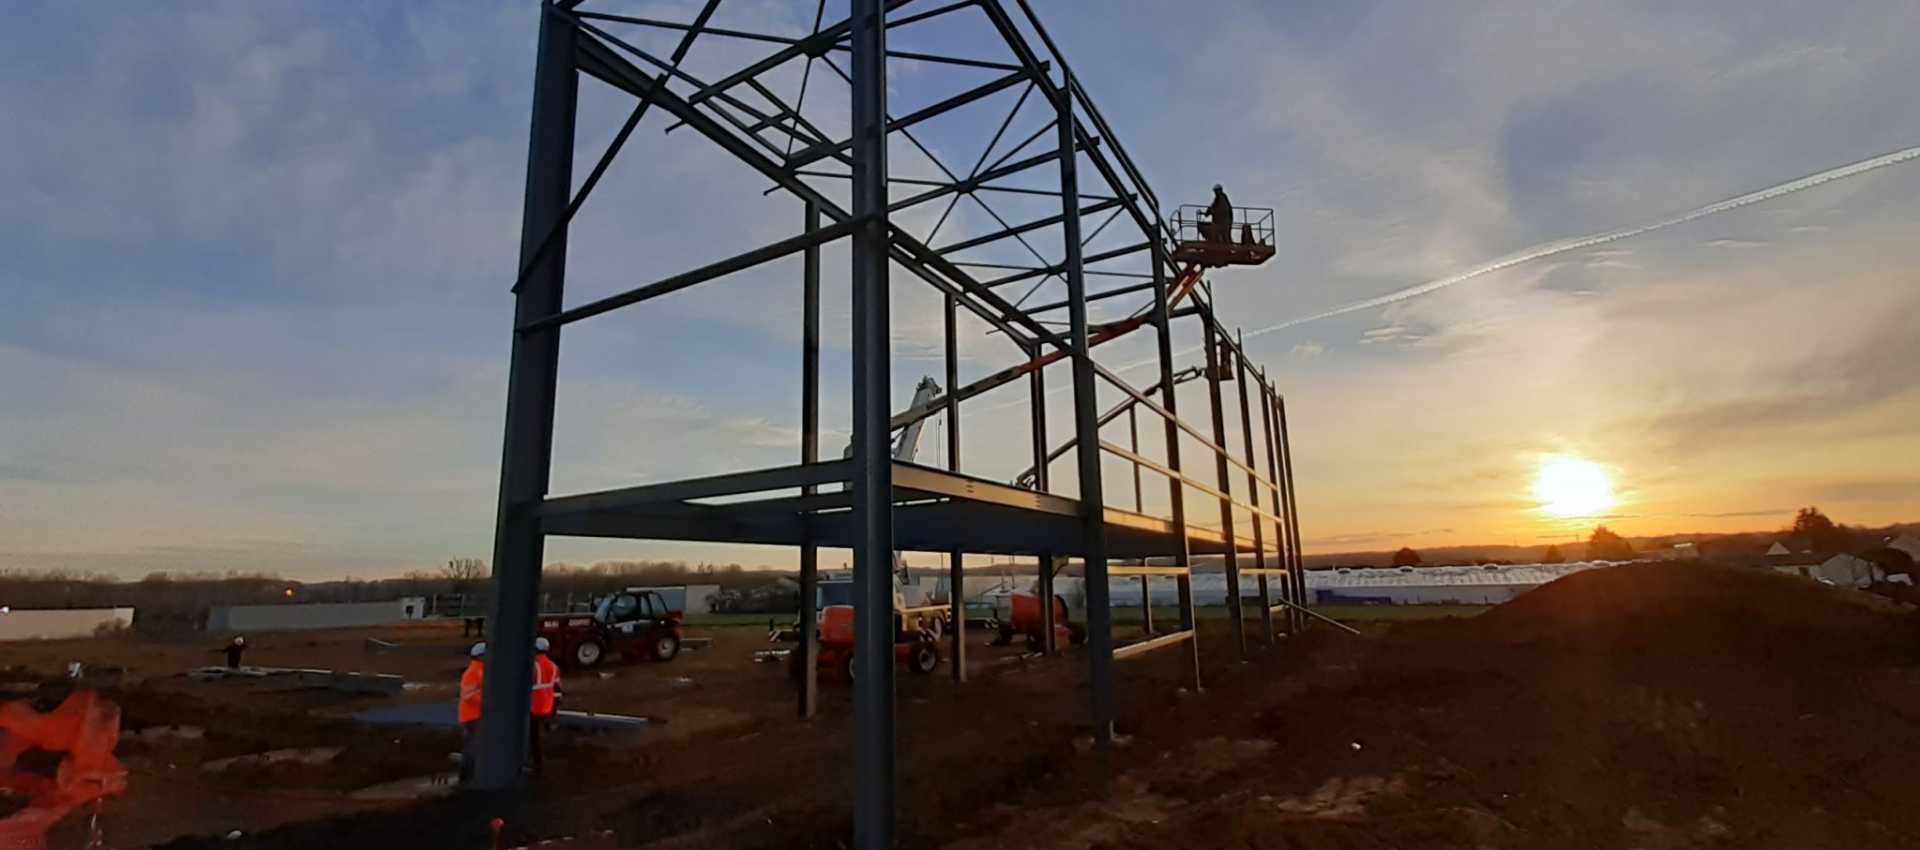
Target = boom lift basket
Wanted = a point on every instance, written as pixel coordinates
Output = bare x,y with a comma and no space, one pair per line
1249,244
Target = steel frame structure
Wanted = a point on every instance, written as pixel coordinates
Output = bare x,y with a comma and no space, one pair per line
868,502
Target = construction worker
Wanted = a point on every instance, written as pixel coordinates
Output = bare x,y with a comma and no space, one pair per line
1219,226
546,699
471,682
236,648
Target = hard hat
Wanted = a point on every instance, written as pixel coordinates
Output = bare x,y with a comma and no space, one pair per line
541,644
479,649
1219,188
239,640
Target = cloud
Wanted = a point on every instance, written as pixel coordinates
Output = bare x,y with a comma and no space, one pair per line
1734,243
266,323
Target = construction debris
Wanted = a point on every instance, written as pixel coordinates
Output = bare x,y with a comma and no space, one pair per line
351,682
157,734
444,714
300,755
376,646
411,788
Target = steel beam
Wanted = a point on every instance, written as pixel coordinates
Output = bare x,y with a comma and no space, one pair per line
1087,435
1281,541
1146,572
818,152
527,455
729,484
1049,221
1098,296
873,813
1103,256
1134,650
809,647
1253,495
1235,614
812,239
813,45
956,565
599,60
1176,488
1037,422
1293,510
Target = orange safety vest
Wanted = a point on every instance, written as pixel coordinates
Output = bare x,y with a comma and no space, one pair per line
470,682
546,685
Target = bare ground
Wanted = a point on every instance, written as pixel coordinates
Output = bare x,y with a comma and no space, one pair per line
1638,707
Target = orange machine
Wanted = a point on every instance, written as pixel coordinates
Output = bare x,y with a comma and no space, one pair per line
918,647
1025,619
84,729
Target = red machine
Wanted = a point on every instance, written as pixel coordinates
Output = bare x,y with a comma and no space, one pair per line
915,644
1026,620
635,624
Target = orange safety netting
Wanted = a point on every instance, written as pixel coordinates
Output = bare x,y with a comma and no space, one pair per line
84,730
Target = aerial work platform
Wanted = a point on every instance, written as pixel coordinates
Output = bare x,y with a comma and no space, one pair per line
1248,240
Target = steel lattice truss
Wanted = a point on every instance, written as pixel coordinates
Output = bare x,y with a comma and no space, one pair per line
1049,234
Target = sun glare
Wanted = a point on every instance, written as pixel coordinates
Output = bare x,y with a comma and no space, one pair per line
1572,486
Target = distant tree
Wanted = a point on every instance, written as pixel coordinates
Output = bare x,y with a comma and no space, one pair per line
1553,555
1820,533
1605,545
1406,557
464,573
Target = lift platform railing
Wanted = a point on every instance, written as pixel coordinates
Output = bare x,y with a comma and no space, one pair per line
1251,226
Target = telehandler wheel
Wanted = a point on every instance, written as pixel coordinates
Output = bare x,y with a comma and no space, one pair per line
588,653
665,647
925,658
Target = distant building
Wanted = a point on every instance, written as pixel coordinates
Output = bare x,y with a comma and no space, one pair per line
1906,543
1848,571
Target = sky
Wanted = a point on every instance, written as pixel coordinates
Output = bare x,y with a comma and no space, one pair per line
255,260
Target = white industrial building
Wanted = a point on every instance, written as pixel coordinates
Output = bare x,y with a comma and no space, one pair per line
1468,585
298,616
54,624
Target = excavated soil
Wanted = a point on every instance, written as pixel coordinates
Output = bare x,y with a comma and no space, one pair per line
1634,707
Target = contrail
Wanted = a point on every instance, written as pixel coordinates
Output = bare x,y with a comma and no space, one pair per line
1548,249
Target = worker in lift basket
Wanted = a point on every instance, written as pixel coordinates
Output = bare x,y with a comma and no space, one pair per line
546,700
471,682
1219,226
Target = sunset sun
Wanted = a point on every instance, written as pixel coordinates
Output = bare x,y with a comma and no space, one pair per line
1572,486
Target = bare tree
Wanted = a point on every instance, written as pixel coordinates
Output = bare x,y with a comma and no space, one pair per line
464,573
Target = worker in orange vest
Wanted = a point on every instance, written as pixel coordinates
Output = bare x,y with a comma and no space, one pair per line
470,685
546,698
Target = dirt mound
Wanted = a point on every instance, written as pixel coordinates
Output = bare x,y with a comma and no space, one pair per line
1698,611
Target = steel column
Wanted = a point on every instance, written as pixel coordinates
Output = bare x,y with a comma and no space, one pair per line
1253,497
1176,491
1087,431
1043,576
527,455
1293,511
1236,617
1282,544
873,815
1139,507
956,567
809,647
